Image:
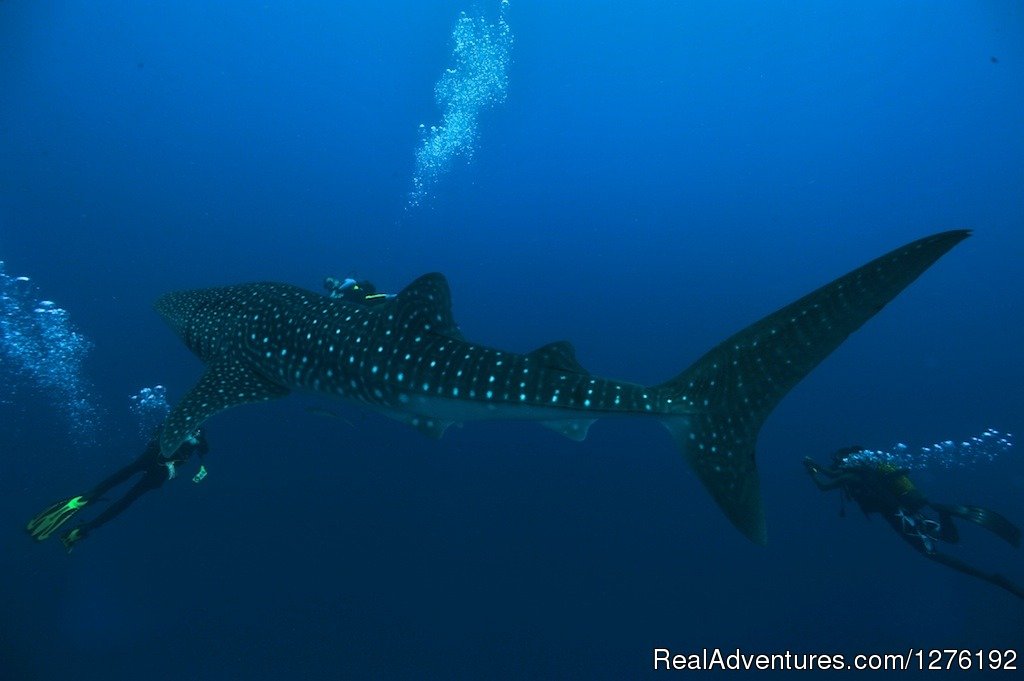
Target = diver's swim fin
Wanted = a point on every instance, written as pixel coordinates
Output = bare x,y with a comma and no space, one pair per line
50,520
990,520
71,537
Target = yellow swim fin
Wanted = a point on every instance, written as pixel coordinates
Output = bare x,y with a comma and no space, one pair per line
71,537
50,520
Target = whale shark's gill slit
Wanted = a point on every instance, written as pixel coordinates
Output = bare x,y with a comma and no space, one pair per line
730,391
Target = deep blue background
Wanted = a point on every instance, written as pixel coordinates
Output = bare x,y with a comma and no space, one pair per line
661,175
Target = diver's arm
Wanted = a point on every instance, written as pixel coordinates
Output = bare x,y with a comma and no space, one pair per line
835,483
813,468
837,478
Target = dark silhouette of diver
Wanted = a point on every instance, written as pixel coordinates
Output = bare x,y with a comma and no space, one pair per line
886,490
155,471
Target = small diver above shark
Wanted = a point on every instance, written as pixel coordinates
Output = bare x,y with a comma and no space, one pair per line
406,358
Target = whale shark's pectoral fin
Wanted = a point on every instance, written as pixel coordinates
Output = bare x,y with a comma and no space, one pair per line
572,429
226,383
725,396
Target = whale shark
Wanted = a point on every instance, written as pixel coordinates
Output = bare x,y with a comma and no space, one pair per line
407,358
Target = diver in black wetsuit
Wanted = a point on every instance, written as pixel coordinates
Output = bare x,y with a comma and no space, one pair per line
155,470
886,490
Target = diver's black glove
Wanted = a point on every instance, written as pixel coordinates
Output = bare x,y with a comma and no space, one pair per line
811,467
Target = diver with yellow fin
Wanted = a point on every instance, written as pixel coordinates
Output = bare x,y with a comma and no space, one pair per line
352,291
883,488
155,471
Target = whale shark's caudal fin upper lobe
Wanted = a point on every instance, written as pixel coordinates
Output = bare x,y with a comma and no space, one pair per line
726,395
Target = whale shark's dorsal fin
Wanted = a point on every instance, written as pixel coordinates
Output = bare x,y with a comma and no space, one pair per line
426,304
726,395
226,383
560,355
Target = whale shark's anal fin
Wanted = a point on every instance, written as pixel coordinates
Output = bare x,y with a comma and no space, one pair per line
226,383
725,396
574,429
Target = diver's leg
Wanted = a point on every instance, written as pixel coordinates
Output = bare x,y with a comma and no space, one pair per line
142,463
153,479
990,520
913,530
947,530
51,519
990,577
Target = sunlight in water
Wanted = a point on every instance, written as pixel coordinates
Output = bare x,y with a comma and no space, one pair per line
477,80
39,346
948,454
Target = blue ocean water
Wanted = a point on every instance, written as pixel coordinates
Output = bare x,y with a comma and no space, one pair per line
641,178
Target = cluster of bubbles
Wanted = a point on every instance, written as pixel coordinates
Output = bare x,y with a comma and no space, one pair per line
40,346
947,454
478,80
151,408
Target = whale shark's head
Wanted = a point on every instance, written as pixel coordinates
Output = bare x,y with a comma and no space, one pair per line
176,309
198,317
213,321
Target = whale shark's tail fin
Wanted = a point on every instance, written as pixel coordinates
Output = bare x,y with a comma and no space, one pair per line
725,396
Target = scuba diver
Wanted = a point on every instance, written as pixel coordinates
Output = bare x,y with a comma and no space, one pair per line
155,470
351,291
884,489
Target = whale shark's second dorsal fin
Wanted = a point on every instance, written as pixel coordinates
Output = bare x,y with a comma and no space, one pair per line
426,304
725,396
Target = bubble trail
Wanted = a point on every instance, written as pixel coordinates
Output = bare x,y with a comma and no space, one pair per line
151,408
39,345
947,454
478,80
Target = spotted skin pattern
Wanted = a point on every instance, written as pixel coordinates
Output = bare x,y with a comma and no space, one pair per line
406,358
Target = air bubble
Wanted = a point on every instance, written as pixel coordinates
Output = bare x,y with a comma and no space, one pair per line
946,454
151,408
40,346
477,81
